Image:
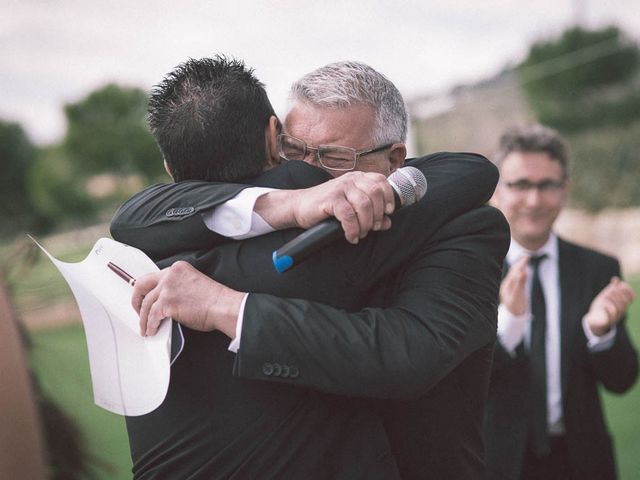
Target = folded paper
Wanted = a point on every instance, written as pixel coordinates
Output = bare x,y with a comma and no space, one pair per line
129,372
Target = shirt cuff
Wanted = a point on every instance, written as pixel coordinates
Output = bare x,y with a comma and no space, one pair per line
595,343
236,219
234,346
511,328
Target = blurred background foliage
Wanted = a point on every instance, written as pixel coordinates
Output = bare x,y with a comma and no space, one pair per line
105,156
18,156
107,133
586,84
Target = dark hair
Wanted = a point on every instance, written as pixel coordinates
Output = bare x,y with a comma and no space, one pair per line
208,117
534,138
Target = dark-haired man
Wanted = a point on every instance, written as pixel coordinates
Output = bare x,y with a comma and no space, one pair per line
561,328
434,341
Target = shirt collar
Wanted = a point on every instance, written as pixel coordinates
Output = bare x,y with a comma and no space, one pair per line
516,251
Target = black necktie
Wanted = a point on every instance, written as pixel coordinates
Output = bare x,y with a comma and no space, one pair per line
538,363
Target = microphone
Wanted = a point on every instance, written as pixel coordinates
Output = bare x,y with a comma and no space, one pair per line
409,186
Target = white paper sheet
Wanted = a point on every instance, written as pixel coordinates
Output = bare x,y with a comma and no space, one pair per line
129,373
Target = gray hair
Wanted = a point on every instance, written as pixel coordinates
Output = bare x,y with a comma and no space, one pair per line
343,84
534,139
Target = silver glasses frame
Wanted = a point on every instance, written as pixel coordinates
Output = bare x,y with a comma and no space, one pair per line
317,151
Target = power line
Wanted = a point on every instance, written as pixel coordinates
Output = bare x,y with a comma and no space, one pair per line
538,71
572,59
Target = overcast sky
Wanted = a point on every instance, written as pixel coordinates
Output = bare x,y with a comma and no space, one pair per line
55,52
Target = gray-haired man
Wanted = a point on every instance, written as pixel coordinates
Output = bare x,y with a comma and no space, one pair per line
429,349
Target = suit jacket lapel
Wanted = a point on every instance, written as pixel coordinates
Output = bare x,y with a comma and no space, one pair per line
505,269
569,308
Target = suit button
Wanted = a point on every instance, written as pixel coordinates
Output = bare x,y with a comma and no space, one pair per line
293,371
277,369
285,371
267,369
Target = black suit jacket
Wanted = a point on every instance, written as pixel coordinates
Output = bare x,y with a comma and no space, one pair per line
429,352
583,274
352,444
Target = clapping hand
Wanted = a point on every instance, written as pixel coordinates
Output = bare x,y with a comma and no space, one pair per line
608,307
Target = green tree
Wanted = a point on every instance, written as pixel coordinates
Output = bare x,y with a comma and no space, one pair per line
582,79
107,154
58,190
17,155
586,84
107,133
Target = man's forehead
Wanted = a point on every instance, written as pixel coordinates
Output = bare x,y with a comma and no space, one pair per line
533,165
351,126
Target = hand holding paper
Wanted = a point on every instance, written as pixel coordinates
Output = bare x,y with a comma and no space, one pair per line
129,373
188,296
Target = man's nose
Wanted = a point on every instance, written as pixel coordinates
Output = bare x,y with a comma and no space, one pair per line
533,196
311,158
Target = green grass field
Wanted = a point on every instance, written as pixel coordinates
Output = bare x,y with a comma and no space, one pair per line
60,360
623,411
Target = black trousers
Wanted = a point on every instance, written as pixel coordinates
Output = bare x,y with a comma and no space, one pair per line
554,466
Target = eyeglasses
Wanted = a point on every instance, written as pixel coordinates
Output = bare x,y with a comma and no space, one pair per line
543,186
331,157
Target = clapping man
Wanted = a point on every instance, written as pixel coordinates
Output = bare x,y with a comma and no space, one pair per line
561,328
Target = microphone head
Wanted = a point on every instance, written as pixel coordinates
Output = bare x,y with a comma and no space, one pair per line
409,183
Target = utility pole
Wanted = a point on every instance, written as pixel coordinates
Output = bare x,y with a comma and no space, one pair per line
579,13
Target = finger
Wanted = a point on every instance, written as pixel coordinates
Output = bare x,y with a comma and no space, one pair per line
620,298
510,282
386,223
612,312
346,215
142,287
389,199
514,280
619,291
154,318
147,303
380,194
521,281
516,276
619,288
627,291
367,194
522,264
362,205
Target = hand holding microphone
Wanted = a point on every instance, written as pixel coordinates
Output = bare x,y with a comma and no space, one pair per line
408,184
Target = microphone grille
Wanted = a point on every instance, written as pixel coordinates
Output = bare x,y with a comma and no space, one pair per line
409,183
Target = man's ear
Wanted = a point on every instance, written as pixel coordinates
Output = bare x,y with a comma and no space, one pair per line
167,169
271,142
397,155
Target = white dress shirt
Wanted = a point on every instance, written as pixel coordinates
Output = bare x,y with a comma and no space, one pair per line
513,329
236,219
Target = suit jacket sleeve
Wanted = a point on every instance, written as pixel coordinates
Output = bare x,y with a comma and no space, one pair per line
165,219
457,182
442,307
